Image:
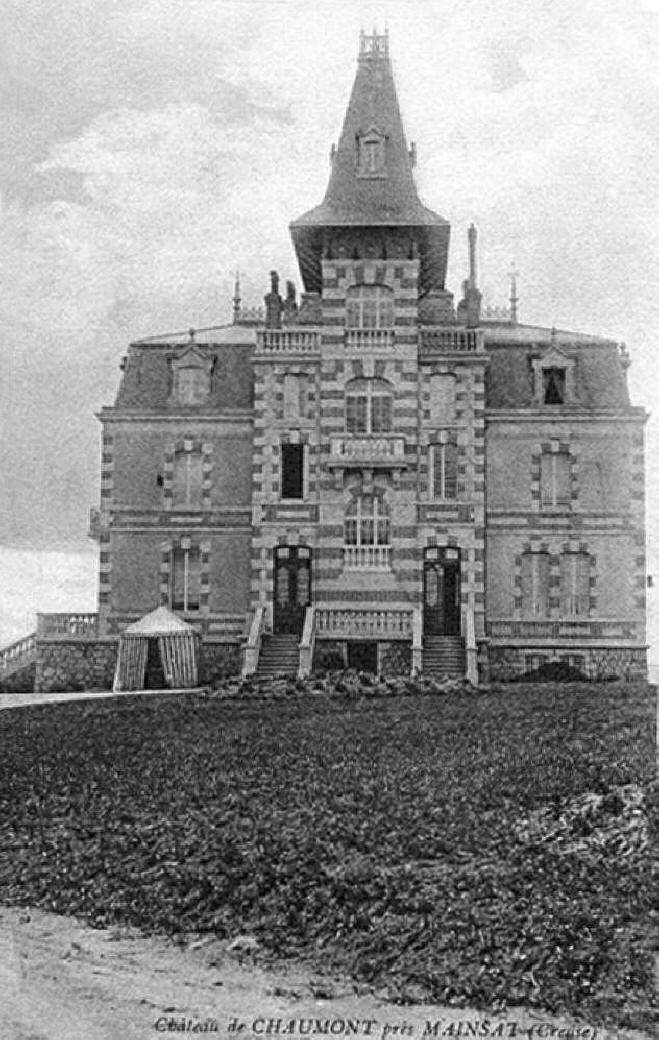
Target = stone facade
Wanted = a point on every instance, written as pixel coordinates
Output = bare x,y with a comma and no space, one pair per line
411,470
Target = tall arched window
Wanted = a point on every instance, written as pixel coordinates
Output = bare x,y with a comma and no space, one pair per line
370,307
367,533
369,406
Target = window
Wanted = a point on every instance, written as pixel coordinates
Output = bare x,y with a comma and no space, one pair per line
535,584
442,400
371,154
553,385
555,479
187,478
367,532
294,396
292,471
444,470
185,579
369,406
370,307
575,583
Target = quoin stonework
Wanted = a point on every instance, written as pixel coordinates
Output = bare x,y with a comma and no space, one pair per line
371,472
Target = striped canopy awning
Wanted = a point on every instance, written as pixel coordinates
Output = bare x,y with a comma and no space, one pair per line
178,647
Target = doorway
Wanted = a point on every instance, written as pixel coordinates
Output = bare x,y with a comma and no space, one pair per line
292,588
441,591
154,673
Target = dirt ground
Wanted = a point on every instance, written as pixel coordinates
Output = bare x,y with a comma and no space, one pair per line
61,980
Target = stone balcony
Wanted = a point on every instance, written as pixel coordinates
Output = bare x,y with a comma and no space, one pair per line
287,341
336,623
369,339
369,450
448,339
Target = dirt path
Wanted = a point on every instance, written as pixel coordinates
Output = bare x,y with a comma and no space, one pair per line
26,700
60,980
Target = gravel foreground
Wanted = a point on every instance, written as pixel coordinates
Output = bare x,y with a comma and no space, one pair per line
481,850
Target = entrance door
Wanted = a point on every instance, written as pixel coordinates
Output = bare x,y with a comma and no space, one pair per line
154,673
292,587
441,592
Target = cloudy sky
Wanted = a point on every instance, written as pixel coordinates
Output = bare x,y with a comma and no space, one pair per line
148,147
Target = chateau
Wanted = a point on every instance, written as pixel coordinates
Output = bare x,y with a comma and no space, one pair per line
374,474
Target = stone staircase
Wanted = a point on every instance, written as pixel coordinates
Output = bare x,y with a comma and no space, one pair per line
17,660
280,655
444,655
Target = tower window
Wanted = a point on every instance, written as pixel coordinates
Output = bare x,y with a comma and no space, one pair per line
444,470
369,406
369,307
553,385
292,471
367,532
185,579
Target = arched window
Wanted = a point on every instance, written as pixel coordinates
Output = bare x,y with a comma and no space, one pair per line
369,307
367,532
369,406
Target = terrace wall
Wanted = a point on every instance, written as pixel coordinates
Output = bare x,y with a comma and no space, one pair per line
69,664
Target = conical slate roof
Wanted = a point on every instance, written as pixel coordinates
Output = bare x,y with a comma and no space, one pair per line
385,197
371,182
160,622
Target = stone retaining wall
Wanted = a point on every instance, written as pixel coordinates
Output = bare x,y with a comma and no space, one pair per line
625,663
75,665
219,661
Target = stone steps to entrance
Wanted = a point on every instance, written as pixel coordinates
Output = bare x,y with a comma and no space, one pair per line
279,655
444,655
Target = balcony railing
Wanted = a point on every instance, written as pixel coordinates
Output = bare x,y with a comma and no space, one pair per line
71,626
369,339
371,449
291,341
366,557
390,624
565,628
446,340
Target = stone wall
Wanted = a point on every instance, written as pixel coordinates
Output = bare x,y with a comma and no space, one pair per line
21,681
329,655
218,662
75,665
395,658
626,663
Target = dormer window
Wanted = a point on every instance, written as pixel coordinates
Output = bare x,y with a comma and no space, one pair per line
371,154
191,377
554,377
553,385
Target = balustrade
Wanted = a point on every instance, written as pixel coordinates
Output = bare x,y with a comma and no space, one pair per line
371,448
366,557
292,341
369,339
564,628
371,623
22,650
447,339
69,625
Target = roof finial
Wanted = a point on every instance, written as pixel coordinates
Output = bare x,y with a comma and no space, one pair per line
472,235
236,298
514,299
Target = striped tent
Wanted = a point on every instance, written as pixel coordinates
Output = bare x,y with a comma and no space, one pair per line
157,652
